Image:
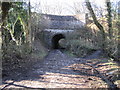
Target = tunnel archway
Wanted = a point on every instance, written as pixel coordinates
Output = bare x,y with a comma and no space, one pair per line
55,41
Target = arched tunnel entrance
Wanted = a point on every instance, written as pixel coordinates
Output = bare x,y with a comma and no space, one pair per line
55,41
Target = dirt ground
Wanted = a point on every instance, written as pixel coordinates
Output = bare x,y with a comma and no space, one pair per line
57,70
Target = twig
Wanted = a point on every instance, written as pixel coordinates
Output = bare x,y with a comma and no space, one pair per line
110,84
8,84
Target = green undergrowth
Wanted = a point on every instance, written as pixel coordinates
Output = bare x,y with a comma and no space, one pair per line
75,48
39,50
78,45
69,53
19,57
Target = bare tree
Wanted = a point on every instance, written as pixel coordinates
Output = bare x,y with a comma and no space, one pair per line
113,40
101,28
99,11
52,9
79,7
37,7
46,9
59,8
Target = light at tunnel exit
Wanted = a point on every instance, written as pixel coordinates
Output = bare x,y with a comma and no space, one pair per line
55,41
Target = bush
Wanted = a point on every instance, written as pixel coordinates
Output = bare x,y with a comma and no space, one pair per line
78,46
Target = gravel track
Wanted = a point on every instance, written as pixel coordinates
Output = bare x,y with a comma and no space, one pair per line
57,70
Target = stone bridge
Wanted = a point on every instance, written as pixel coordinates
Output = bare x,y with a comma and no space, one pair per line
59,27
52,37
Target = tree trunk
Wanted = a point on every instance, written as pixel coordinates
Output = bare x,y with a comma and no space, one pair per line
109,19
28,32
5,32
29,39
110,31
0,49
88,4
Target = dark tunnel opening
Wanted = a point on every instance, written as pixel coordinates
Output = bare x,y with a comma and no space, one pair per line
55,41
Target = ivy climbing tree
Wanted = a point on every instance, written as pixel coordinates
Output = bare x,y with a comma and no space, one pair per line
16,31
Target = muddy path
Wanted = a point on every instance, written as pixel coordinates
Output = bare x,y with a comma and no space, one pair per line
57,70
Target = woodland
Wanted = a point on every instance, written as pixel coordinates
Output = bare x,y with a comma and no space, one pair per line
21,42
